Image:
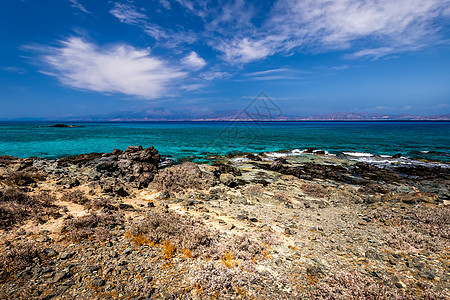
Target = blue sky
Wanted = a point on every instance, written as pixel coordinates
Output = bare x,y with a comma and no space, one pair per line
63,58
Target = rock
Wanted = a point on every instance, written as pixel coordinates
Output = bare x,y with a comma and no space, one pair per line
50,252
253,219
126,206
242,217
314,271
99,282
253,157
228,179
398,155
63,126
133,148
226,168
60,275
164,194
65,255
151,204
427,274
120,191
128,250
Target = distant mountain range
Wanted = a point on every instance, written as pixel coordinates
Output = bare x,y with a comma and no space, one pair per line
164,114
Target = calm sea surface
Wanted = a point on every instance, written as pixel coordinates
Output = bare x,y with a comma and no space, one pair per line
430,140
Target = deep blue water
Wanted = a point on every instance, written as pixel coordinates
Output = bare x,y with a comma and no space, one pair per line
181,139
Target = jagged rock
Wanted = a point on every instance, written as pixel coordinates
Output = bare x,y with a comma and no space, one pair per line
228,179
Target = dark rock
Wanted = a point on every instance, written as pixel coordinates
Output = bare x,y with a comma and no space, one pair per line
120,191
125,206
427,274
398,155
63,126
253,219
99,282
226,168
164,194
314,271
151,204
253,157
50,252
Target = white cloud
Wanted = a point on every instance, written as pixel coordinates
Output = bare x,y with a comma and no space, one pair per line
194,61
245,50
211,75
267,72
165,4
77,4
114,69
127,13
321,25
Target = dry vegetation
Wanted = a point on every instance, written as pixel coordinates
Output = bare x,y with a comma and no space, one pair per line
17,207
18,256
182,177
314,190
182,231
23,178
93,226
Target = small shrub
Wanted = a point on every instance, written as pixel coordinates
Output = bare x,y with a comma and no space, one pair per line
214,278
245,247
348,286
268,237
314,190
77,197
99,203
228,260
168,249
183,231
18,257
181,177
23,178
282,197
17,207
93,226
255,189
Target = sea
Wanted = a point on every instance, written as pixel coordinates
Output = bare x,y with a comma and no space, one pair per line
198,141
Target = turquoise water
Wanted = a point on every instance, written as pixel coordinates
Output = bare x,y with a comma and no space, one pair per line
182,139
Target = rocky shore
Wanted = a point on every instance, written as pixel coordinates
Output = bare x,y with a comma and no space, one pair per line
121,225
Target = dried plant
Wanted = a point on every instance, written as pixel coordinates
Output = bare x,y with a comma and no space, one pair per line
93,226
282,197
314,190
22,178
347,286
19,256
255,189
77,197
216,279
183,231
181,177
17,207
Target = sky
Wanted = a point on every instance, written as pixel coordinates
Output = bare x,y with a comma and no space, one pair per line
61,58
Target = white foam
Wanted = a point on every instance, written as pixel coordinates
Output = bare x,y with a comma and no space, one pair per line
358,154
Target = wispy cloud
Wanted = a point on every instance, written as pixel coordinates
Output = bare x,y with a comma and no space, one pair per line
110,69
78,5
266,72
127,13
194,61
321,25
14,69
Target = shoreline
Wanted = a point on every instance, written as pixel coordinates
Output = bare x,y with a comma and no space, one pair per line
252,226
